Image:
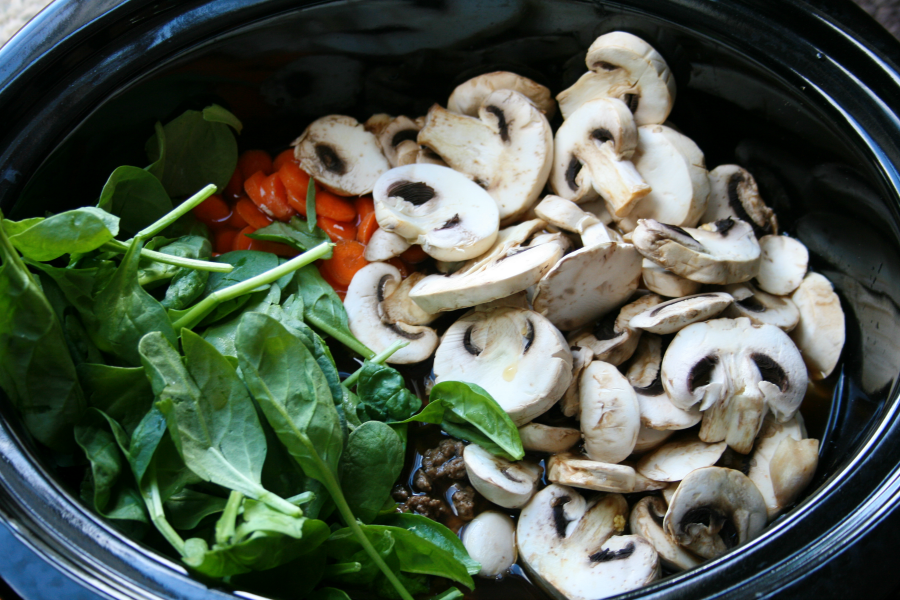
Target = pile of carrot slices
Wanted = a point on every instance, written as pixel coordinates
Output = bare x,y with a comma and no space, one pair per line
262,190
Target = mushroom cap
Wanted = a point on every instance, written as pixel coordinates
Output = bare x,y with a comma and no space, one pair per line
797,459
646,521
572,549
761,307
517,355
626,67
593,147
468,96
339,153
673,165
505,483
648,438
451,217
612,339
510,266
644,374
665,283
537,437
578,471
820,333
367,291
675,315
736,371
715,509
610,415
733,193
398,306
395,137
588,283
508,149
565,214
384,245
490,539
719,253
570,403
679,456
783,264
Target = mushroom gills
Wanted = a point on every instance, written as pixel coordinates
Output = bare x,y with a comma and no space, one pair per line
734,193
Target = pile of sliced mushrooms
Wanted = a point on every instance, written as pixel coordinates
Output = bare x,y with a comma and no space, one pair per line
655,302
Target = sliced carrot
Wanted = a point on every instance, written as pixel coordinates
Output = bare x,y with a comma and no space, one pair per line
366,228
414,255
248,211
286,156
252,161
346,259
269,196
236,220
364,205
235,187
340,290
334,207
295,182
224,239
401,266
241,241
337,230
212,210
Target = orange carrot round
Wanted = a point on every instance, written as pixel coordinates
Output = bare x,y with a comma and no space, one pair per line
285,156
347,258
366,228
339,289
269,195
334,207
241,241
252,161
364,205
236,220
224,239
248,211
401,266
212,210
414,255
235,187
337,230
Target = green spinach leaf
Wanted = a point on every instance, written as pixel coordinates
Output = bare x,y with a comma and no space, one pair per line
192,246
324,310
188,507
136,197
123,393
295,234
371,464
216,114
75,231
435,533
383,395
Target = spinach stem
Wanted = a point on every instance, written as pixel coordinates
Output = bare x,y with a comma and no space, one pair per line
276,502
378,359
158,515
178,261
225,524
349,341
206,306
180,210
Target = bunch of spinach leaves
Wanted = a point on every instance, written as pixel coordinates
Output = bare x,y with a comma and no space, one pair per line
201,393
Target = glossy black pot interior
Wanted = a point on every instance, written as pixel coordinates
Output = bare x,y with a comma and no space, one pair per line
779,87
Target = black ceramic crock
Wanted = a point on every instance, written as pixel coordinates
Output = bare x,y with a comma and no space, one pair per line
804,95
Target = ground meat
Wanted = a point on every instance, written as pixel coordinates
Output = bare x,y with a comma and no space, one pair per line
445,460
427,506
400,493
464,502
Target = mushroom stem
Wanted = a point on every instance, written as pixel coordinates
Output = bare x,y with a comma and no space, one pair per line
377,359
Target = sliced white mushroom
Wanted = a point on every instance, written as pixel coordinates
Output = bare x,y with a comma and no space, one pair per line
593,149
597,207
657,411
722,252
468,97
573,549
581,472
517,355
377,122
569,216
714,510
397,139
427,156
679,456
646,520
398,306
648,439
341,155
612,339
761,307
370,288
570,403
782,459
505,483
436,207
737,371
519,258
677,314
384,245
668,492
783,264
508,149
490,539
820,333
537,437
626,67
733,193
665,283
673,165
610,415
588,283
